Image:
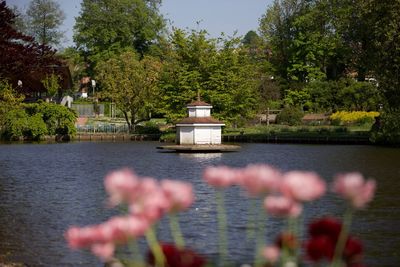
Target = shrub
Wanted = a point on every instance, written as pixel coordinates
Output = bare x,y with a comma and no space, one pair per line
18,125
290,115
15,122
58,119
148,128
36,127
386,129
353,118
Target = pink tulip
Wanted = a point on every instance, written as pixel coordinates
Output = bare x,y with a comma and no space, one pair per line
121,186
115,230
282,206
220,177
151,202
147,186
258,179
354,188
121,229
271,253
81,237
103,251
302,186
179,194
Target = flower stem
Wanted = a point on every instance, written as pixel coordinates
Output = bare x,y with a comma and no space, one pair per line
341,243
251,217
137,256
222,227
260,236
176,230
155,247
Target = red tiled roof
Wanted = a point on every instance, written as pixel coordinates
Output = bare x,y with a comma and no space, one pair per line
190,120
198,103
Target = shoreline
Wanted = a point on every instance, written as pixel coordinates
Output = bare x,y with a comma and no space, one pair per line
345,139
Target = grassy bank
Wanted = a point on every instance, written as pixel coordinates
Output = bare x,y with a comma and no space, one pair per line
261,133
299,134
292,134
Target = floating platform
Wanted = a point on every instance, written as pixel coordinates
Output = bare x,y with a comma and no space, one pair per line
200,148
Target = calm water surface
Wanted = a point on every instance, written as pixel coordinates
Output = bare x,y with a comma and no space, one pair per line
45,188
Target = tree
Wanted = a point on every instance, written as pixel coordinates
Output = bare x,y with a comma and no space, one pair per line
52,84
9,99
277,30
185,69
221,70
76,63
44,18
20,54
384,26
130,83
20,22
104,27
304,40
251,38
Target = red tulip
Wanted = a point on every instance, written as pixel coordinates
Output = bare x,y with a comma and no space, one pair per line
176,257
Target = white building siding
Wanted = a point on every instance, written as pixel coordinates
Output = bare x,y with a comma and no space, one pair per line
186,135
216,135
199,112
202,135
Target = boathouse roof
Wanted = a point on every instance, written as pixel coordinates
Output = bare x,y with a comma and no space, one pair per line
198,103
205,120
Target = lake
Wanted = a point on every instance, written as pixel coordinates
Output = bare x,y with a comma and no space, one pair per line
45,188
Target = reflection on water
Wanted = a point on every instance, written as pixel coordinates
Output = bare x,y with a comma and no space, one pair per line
46,188
201,157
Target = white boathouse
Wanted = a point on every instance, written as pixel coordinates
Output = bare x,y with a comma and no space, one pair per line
199,128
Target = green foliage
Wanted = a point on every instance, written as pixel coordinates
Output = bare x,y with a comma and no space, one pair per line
15,122
297,98
18,125
8,102
251,38
52,84
323,95
148,128
76,63
9,99
386,130
290,115
36,127
44,19
303,42
33,121
323,41
106,28
59,119
220,70
131,84
384,37
359,96
344,94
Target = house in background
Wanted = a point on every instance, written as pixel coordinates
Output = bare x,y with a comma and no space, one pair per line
199,128
32,87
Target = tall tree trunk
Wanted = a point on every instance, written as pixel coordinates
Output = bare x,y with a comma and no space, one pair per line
133,121
127,120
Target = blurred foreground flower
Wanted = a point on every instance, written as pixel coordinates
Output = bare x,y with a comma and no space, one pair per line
146,200
303,186
324,235
354,188
282,206
176,257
